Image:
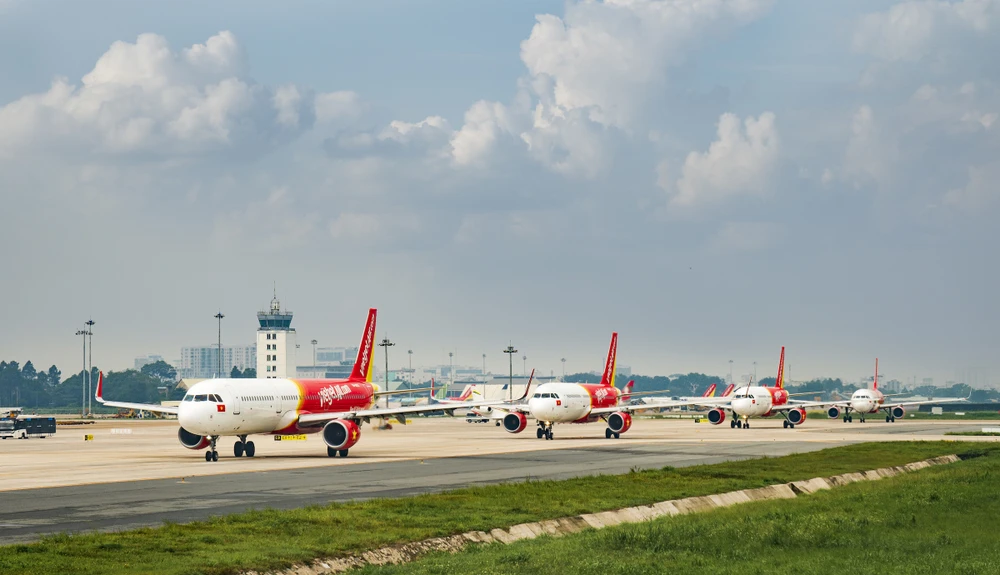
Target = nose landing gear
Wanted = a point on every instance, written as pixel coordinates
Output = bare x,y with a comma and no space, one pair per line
544,431
212,454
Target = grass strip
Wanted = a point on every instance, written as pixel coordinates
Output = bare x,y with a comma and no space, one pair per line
975,433
937,520
274,539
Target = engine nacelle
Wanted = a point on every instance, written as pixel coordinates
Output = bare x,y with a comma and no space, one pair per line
192,441
619,422
898,411
796,416
833,412
716,416
515,422
341,434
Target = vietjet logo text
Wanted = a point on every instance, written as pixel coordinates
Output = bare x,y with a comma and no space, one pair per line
369,336
330,393
601,393
611,357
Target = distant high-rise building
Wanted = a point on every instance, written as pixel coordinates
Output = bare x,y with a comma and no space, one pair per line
145,360
202,361
275,343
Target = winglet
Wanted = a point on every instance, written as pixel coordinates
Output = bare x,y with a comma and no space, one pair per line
527,387
363,365
780,382
99,393
609,367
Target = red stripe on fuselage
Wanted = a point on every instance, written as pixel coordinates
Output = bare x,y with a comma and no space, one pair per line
326,396
601,395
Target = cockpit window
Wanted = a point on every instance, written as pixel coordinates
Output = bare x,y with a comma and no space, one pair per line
202,397
189,397
537,395
216,398
555,396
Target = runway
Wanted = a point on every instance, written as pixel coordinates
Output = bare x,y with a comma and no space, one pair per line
124,481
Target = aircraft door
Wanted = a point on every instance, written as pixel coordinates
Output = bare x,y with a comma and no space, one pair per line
237,404
277,404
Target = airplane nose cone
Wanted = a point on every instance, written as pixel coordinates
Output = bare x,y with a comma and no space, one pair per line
741,405
189,417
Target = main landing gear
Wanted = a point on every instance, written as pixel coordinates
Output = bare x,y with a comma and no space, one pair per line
787,424
212,454
608,434
243,447
890,419
331,452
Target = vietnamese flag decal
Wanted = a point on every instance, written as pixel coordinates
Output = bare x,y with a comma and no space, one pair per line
221,407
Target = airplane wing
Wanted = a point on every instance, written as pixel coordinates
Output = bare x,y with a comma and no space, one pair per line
98,395
638,407
400,413
922,402
803,405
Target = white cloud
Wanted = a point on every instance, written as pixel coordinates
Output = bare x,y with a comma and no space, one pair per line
143,97
979,192
739,162
485,123
333,106
910,31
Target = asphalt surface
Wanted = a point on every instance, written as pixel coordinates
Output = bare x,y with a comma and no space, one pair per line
28,514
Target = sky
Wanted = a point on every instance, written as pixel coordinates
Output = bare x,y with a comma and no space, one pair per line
712,179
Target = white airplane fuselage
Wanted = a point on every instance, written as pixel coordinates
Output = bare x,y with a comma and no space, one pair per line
559,402
867,400
254,406
756,401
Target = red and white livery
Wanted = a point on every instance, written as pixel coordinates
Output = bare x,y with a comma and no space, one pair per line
334,408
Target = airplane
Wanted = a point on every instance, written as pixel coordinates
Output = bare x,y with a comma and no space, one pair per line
759,401
561,402
868,401
334,408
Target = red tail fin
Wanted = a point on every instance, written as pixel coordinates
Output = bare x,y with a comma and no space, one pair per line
627,391
467,393
710,391
875,381
363,365
609,367
780,383
728,390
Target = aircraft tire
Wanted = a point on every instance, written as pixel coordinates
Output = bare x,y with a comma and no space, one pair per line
539,432
215,456
208,456
607,433
343,452
618,436
249,449
331,452
238,449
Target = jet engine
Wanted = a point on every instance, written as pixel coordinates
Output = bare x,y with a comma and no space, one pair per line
716,416
192,441
833,412
796,416
515,422
898,411
341,434
619,422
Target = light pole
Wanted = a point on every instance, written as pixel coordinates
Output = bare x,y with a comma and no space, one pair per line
219,317
755,371
90,369
510,351
563,360
730,371
484,365
386,344
451,369
314,342
524,365
409,353
83,375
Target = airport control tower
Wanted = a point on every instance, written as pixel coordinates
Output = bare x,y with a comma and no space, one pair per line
275,343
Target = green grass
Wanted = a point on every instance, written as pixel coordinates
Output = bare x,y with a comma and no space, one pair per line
975,433
273,539
938,520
